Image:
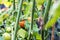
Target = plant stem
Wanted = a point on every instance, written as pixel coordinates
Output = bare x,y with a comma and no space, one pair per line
46,12
32,16
13,4
52,37
17,20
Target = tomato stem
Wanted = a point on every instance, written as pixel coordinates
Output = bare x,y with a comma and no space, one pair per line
32,16
46,13
13,4
18,17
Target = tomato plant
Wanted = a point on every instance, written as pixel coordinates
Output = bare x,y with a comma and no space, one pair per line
29,19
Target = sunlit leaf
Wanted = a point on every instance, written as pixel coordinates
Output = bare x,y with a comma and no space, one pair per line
56,15
7,4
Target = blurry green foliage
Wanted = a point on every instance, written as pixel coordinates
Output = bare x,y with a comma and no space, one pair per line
56,15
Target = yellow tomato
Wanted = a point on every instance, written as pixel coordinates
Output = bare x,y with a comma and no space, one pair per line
29,18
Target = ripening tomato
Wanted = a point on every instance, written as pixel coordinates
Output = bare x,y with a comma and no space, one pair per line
29,18
22,23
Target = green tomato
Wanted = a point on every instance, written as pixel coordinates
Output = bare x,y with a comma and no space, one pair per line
8,29
6,36
22,33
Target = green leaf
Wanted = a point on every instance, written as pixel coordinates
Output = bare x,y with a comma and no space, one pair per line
0,1
28,9
1,20
35,28
35,15
40,2
54,18
38,36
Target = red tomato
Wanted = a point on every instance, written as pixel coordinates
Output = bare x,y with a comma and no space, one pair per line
22,23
